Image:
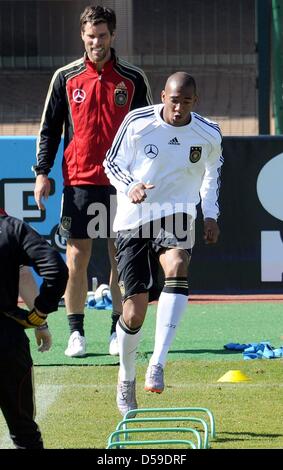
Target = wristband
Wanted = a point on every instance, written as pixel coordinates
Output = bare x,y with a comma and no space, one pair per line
27,319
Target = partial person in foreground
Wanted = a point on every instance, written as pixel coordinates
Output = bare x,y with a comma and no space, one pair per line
28,291
20,245
164,160
90,97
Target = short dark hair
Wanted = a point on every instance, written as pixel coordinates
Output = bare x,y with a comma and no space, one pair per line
183,79
96,14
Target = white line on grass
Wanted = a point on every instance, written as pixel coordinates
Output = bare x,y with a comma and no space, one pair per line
45,396
169,386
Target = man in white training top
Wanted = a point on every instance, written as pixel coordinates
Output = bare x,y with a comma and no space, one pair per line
164,160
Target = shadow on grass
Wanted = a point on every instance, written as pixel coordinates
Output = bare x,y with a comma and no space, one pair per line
142,356
75,364
242,436
222,352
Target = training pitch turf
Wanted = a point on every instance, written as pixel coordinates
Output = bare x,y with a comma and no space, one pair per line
75,398
204,330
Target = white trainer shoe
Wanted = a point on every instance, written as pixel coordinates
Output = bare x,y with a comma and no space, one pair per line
126,397
76,345
154,379
113,345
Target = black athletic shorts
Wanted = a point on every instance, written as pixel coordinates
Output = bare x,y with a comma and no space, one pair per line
88,212
138,252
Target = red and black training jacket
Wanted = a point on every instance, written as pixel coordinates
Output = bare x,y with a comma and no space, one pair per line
90,106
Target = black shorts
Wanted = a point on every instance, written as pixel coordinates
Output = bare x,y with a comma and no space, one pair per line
137,254
88,212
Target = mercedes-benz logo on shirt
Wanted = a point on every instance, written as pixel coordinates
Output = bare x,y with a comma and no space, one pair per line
79,95
151,151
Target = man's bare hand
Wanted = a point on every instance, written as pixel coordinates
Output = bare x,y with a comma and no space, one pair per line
41,190
211,231
43,338
138,193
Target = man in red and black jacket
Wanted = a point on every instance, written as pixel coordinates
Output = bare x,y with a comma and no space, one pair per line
21,245
89,98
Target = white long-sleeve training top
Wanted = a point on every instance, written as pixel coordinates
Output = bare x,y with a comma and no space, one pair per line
182,162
